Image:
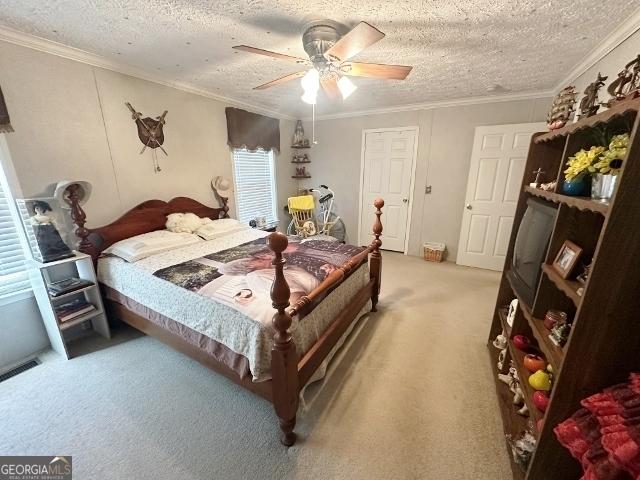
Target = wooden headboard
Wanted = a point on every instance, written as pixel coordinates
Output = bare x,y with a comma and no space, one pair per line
146,217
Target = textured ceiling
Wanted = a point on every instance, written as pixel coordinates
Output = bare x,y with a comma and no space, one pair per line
458,49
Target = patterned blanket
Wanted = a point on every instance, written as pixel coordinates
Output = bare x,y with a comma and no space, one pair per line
241,276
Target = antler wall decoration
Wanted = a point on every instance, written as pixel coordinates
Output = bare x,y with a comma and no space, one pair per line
150,133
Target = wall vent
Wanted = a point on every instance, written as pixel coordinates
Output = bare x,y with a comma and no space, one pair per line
19,369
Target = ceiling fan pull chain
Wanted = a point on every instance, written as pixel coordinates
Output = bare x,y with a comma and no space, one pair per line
313,124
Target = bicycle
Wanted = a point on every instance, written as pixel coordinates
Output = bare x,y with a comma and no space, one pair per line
326,224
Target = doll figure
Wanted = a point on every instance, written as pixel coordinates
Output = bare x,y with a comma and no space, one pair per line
50,245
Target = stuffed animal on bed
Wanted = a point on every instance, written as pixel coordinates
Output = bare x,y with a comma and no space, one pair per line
185,222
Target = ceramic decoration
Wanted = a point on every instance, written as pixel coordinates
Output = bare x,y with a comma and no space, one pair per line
511,315
533,362
522,343
540,380
553,317
500,342
541,400
578,187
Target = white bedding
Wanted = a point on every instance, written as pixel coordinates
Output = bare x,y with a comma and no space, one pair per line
220,322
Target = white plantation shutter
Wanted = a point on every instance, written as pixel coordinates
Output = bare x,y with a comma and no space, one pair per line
13,274
255,185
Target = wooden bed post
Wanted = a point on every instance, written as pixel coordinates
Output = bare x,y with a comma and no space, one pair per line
284,357
79,218
375,265
224,201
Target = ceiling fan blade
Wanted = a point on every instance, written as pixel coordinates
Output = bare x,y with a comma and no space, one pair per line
330,86
281,80
376,70
359,38
267,53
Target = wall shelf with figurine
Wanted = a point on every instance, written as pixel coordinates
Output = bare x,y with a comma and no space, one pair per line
300,142
568,329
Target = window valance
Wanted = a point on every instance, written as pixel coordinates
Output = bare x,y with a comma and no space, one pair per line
251,130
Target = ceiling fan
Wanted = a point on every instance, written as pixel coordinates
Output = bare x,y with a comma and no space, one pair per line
329,53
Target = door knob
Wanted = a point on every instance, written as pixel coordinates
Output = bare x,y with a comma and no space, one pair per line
468,206
405,200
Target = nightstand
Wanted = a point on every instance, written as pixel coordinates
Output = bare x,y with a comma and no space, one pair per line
63,335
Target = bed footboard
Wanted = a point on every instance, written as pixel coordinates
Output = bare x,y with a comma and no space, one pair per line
289,374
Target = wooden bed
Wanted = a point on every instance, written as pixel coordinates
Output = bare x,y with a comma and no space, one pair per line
289,372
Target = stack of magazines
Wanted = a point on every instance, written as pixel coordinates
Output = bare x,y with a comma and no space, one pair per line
70,310
67,285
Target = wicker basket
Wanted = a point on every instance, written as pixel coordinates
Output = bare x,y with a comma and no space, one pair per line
434,252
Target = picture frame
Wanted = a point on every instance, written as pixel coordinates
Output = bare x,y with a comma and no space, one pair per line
567,258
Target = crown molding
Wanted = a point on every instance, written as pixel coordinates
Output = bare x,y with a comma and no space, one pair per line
622,33
618,36
54,48
508,97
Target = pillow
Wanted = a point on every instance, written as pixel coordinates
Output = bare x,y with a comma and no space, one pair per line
185,222
219,228
142,246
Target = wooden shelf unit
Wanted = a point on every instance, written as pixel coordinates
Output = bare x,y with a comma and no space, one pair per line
581,203
62,335
605,337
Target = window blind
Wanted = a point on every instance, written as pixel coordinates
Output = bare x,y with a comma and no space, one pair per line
255,185
13,274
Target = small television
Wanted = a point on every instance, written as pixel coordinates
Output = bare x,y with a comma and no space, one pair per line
530,248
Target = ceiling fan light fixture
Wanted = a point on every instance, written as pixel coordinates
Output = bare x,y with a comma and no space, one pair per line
311,81
309,97
346,87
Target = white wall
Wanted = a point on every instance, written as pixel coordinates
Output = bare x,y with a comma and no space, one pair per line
444,151
23,332
71,123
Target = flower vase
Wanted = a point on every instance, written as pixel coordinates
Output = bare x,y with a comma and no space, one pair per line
602,186
576,187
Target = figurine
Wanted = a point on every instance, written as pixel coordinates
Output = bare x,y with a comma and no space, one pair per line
501,357
582,278
589,104
536,182
301,171
50,246
562,108
500,341
298,135
560,334
627,85
548,187
522,448
511,315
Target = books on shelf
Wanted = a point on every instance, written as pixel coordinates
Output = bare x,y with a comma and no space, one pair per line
67,285
70,310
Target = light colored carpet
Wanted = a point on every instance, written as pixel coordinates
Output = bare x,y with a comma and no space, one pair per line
410,397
